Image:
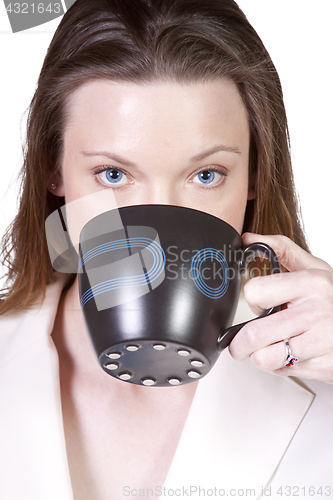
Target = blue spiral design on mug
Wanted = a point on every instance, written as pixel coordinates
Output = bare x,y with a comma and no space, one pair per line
140,280
196,264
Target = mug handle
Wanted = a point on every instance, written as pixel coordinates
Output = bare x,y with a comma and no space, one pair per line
249,253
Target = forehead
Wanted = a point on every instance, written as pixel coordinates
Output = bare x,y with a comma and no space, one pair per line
166,111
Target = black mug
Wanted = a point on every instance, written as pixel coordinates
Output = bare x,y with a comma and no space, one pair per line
159,287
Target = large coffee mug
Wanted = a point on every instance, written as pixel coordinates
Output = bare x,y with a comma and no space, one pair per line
159,287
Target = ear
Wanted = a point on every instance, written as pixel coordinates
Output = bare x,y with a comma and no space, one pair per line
56,184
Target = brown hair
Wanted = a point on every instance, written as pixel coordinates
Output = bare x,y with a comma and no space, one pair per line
143,41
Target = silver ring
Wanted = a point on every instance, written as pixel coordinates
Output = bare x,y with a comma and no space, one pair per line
290,359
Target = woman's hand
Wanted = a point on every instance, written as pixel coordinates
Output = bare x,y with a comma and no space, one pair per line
306,318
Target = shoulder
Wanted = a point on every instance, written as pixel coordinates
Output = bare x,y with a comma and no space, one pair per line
20,329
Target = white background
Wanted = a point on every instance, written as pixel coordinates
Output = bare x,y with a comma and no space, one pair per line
297,34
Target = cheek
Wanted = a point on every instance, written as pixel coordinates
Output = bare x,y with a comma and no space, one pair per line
236,220
234,215
75,180
231,205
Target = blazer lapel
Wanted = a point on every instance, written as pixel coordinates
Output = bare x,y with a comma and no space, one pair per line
239,426
33,461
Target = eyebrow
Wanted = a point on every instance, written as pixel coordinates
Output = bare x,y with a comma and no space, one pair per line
111,156
198,157
215,149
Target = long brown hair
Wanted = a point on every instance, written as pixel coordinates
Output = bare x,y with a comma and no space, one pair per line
143,41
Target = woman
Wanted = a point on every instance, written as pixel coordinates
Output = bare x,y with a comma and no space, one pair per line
177,103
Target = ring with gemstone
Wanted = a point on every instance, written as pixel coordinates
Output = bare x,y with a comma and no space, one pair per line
290,359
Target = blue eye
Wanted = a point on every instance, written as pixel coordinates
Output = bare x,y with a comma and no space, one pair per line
206,177
209,177
114,176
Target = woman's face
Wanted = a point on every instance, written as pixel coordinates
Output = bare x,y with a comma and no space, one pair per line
159,143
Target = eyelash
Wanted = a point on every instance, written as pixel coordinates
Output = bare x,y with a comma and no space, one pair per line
108,167
211,169
105,169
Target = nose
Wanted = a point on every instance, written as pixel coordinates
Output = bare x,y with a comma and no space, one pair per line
160,194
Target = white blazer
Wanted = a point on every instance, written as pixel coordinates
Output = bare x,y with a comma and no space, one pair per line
246,429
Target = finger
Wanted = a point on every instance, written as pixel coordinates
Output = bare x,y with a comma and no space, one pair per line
316,368
273,357
262,332
290,255
299,324
264,292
